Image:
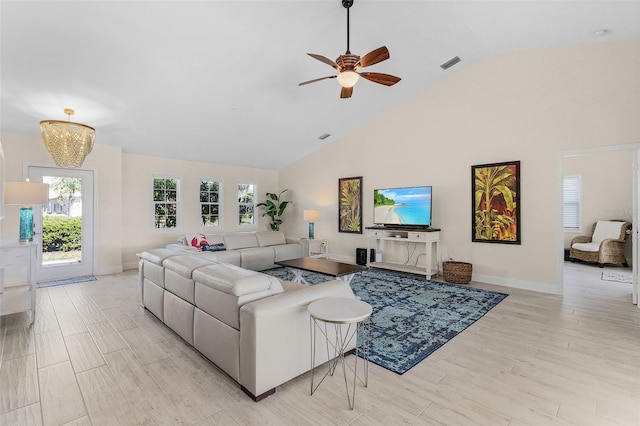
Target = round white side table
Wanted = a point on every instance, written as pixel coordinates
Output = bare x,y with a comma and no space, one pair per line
350,320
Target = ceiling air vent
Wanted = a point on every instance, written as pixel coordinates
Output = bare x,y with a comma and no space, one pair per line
451,62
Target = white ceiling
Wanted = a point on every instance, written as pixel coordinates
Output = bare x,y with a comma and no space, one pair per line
216,81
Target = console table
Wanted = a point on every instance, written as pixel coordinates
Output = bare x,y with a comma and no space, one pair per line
428,238
18,277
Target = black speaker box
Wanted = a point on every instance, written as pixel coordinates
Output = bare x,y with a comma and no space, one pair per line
361,256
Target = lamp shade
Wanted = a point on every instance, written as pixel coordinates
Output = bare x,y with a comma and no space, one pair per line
311,215
26,193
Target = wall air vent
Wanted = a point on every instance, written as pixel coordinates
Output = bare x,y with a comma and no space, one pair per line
451,62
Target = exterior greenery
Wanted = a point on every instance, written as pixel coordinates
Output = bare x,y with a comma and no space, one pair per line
165,199
61,233
209,203
246,201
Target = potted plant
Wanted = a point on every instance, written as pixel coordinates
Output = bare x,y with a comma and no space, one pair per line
274,207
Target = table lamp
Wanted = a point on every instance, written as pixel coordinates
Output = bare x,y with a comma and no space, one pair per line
311,216
26,194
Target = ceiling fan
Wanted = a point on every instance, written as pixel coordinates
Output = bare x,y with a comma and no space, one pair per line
348,65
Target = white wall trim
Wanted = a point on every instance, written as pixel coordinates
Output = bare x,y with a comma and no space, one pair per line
559,222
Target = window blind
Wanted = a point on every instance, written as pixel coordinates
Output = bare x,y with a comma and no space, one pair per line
571,202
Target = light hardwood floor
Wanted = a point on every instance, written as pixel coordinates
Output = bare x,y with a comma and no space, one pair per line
95,357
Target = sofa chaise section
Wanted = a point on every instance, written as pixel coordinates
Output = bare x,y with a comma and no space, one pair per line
275,337
253,326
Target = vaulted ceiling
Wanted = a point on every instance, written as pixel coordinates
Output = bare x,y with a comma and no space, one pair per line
217,81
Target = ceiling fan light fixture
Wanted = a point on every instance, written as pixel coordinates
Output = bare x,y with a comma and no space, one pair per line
348,78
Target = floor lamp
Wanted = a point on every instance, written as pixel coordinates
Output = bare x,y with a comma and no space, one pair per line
26,195
311,216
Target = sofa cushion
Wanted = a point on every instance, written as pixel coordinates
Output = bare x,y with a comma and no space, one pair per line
257,258
234,280
229,256
185,264
215,238
153,298
177,275
270,238
593,247
606,229
158,255
240,240
220,290
178,315
288,251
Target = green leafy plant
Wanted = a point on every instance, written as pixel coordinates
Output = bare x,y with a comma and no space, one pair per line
274,207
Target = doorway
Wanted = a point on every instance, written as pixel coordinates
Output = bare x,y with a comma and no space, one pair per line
64,226
609,178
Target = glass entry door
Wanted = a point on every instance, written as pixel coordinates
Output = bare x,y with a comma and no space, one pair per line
64,226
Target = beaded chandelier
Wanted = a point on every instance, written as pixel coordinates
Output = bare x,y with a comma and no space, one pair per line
69,143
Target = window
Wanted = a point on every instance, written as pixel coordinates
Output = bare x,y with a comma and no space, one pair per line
166,196
246,204
571,203
210,201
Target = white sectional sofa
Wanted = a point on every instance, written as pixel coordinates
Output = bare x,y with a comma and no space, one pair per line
253,326
256,250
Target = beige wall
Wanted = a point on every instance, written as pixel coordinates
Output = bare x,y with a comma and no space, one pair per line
137,213
123,209
607,188
106,163
527,106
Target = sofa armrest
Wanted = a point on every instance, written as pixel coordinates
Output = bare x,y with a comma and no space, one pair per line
275,338
303,241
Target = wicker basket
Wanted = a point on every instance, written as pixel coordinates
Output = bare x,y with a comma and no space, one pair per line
457,272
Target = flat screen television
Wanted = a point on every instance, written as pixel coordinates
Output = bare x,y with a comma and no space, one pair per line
407,206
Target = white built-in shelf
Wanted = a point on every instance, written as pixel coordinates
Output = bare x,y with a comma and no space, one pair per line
377,238
17,277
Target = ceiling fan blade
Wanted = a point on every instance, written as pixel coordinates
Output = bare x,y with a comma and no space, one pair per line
324,59
375,56
346,92
380,78
316,79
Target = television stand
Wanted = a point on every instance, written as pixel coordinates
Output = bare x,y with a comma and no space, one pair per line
378,238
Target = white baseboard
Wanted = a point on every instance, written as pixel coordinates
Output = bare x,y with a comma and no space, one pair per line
514,283
108,271
129,266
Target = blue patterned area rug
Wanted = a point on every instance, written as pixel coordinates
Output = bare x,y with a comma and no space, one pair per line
67,281
412,317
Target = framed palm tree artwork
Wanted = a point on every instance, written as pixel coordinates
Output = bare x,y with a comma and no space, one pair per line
350,205
496,203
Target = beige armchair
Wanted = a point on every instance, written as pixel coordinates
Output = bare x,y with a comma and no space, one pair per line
604,245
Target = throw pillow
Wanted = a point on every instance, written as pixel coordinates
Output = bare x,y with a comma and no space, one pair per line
213,247
197,241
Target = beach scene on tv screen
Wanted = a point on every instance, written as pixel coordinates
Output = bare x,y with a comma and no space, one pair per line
402,206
